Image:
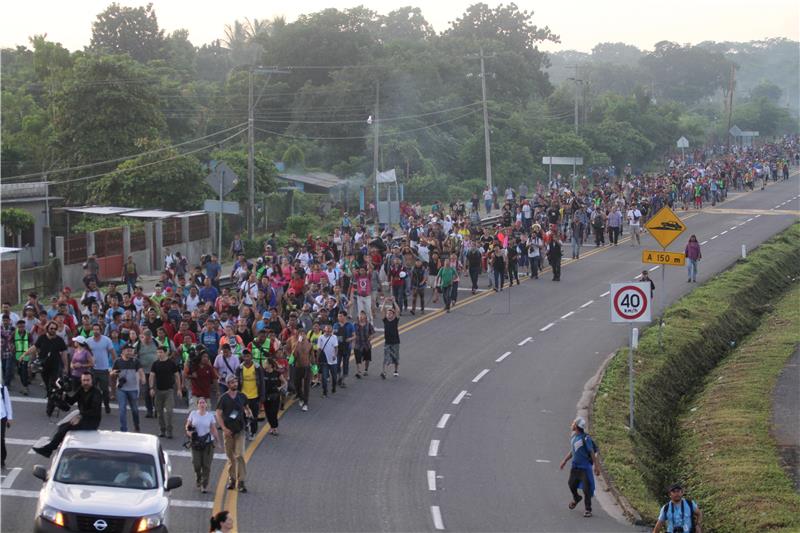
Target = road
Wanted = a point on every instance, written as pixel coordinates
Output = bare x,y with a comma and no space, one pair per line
384,455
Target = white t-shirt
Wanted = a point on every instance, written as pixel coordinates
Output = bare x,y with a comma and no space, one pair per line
202,423
633,216
329,346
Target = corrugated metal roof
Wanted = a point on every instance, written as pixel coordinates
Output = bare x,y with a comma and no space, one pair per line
150,213
7,250
318,179
100,210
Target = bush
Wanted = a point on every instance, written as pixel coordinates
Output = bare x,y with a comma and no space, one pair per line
302,225
426,189
457,192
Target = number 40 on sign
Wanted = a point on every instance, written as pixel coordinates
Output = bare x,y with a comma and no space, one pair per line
630,302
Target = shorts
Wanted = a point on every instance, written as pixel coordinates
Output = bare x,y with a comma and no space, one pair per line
391,354
363,355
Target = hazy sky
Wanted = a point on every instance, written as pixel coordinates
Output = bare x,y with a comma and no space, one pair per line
581,24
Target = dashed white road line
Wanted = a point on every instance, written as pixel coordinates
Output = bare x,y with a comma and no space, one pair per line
443,421
702,243
480,375
749,219
637,276
9,479
548,326
542,461
724,232
567,315
587,304
437,517
524,341
433,449
714,237
605,294
457,399
733,228
655,268
500,359
432,480
756,216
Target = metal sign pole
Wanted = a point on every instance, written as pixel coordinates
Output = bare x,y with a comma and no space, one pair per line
219,243
634,343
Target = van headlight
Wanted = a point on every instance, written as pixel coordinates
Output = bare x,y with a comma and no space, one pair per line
146,523
53,515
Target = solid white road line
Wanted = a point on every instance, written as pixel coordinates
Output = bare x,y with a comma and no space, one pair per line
655,268
433,449
457,399
437,517
28,399
548,326
605,294
432,480
480,375
500,359
702,243
9,479
525,341
34,494
171,453
443,421
567,315
587,304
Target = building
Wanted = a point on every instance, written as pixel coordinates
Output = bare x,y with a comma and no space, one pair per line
33,198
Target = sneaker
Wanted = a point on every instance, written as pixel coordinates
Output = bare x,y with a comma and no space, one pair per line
231,485
324,394
25,391
366,373
305,407
396,374
136,429
204,490
383,375
587,514
342,384
358,376
412,312
242,488
162,435
108,410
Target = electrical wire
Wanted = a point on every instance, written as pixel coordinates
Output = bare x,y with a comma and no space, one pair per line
144,165
362,121
120,159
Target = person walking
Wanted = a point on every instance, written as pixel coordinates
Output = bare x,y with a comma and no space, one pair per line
104,355
130,274
222,522
419,282
145,351
251,377
679,514
391,337
345,333
22,343
201,428
129,376
274,383
51,350
6,416
327,346
231,413
554,255
583,452
447,276
498,267
304,357
614,226
165,382
362,347
634,216
474,261
693,256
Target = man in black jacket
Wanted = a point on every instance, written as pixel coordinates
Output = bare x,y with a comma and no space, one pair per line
90,403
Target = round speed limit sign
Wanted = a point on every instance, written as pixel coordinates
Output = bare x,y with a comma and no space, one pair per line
630,302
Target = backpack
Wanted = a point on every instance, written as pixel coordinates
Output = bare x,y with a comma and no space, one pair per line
668,507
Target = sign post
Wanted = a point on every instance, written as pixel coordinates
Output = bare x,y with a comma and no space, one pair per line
683,144
222,179
630,303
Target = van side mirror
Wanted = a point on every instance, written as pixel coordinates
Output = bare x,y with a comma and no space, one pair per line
173,483
40,472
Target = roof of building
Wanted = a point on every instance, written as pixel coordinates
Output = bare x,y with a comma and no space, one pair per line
317,179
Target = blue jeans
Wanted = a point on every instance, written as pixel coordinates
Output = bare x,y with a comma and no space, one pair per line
691,264
326,369
125,398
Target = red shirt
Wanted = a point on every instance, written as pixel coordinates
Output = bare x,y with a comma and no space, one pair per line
206,376
178,338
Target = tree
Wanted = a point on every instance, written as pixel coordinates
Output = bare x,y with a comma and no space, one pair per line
128,30
686,73
766,89
15,221
294,157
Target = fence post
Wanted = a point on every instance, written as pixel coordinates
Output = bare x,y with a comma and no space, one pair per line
148,244
60,257
89,243
158,260
45,245
126,243
212,229
185,231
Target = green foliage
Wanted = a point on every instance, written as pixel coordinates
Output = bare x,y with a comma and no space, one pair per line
265,172
128,30
16,220
301,225
426,189
96,223
763,115
294,157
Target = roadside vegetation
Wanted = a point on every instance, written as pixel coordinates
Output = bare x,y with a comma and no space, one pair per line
700,331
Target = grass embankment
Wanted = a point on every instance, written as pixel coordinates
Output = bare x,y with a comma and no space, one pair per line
699,331
729,457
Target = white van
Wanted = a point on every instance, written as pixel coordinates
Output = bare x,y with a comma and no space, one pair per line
106,482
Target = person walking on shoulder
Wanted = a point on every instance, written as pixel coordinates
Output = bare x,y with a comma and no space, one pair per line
679,514
693,257
391,336
583,452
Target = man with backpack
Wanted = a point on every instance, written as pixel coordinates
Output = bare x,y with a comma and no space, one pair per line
583,452
232,409
679,515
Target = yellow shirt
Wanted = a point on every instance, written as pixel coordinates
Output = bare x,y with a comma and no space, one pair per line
249,384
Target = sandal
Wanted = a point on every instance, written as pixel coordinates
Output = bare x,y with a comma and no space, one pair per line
574,504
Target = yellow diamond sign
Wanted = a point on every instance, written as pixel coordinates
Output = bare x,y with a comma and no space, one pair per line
665,226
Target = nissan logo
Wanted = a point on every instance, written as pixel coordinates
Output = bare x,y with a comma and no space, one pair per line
100,525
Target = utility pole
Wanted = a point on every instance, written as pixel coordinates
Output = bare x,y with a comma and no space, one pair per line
487,144
376,137
251,140
577,81
730,103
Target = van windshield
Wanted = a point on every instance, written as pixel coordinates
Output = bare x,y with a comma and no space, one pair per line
107,468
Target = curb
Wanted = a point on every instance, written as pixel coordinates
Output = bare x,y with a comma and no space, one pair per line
584,409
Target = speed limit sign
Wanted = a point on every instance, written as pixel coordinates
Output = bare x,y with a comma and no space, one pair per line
630,302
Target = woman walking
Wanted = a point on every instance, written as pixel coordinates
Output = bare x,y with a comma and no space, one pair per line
201,428
693,257
274,381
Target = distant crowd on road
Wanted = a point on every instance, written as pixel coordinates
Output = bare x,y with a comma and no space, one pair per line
291,319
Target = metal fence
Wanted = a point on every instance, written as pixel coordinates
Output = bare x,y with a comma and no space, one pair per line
198,227
138,240
172,231
75,249
41,279
108,242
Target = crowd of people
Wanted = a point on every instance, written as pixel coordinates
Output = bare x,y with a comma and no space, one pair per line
288,321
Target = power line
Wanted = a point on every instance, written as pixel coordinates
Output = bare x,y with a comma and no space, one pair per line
120,159
144,165
362,121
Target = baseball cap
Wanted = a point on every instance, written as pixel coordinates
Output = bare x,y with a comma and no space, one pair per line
675,486
80,339
580,422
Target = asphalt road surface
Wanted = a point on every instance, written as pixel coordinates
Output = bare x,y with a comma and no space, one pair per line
469,437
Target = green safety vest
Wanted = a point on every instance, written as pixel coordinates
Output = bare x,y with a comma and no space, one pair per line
185,352
258,358
21,345
165,344
85,334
